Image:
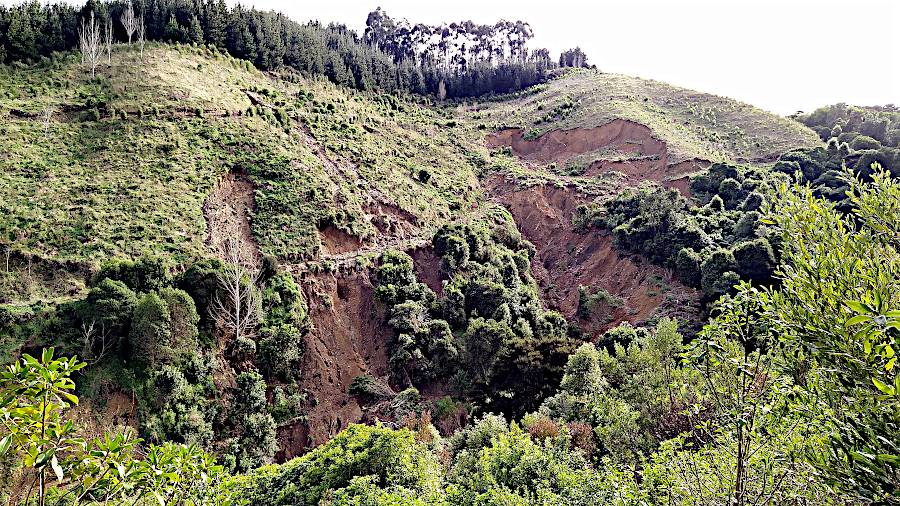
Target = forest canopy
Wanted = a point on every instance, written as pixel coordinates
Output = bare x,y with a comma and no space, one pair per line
455,60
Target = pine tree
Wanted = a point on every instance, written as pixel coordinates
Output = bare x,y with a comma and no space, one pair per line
195,32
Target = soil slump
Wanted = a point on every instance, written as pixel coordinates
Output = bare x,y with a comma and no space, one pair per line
228,210
348,339
567,259
645,157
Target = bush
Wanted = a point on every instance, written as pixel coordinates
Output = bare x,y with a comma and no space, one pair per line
109,305
755,260
687,267
863,142
280,350
145,274
183,320
718,273
150,331
392,458
369,388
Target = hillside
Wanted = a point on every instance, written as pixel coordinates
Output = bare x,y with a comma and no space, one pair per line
127,161
176,154
409,255
693,125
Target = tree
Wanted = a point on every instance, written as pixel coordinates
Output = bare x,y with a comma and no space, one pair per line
129,22
838,309
141,34
237,303
195,31
33,395
107,41
91,47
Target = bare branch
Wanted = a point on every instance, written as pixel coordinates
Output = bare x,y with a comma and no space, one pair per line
141,36
91,46
108,41
129,21
237,303
47,115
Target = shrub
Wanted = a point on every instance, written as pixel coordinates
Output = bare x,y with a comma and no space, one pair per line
369,388
718,273
183,320
863,142
109,304
280,350
145,274
150,331
540,427
687,267
392,458
599,303
755,260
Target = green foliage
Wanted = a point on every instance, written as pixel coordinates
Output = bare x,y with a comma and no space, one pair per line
47,448
687,266
390,458
718,274
488,327
836,314
145,274
600,303
150,332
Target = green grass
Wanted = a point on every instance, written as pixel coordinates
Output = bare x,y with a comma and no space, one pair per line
693,124
128,158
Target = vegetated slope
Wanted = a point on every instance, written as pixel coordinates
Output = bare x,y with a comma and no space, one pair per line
179,152
579,140
175,154
125,162
694,125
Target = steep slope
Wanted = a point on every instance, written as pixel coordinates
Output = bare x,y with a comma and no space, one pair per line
583,137
186,149
181,151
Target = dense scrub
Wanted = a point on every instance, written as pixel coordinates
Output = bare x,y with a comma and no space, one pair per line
710,245
487,332
163,338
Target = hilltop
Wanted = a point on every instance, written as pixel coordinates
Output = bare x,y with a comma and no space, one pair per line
694,125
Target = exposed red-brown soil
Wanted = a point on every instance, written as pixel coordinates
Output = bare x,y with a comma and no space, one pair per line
335,241
228,210
349,338
391,220
560,145
567,259
649,156
428,268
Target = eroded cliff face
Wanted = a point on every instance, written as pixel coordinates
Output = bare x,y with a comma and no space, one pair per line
621,146
349,334
567,259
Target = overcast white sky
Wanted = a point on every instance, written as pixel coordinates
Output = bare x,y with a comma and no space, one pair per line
781,55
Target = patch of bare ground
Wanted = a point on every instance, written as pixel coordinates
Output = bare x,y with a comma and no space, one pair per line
647,158
567,259
228,210
349,338
428,268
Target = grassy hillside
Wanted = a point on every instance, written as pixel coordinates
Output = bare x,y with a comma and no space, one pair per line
126,160
693,124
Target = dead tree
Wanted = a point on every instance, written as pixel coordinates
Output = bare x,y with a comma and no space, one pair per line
108,41
129,21
140,33
237,303
91,47
46,116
